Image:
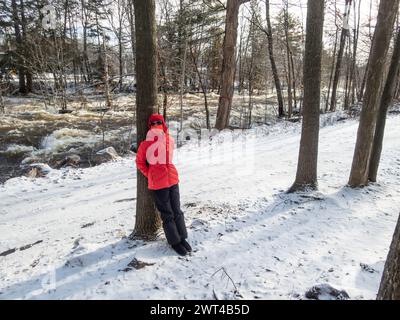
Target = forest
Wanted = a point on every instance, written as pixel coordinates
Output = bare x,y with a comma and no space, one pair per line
284,120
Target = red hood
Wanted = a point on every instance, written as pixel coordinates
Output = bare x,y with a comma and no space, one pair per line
155,117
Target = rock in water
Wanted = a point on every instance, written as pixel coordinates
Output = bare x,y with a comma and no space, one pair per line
36,170
105,155
72,160
326,292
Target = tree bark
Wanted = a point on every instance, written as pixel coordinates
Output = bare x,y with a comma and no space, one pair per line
361,92
85,60
27,72
203,86
228,64
397,92
389,288
275,74
18,38
182,82
386,100
147,219
289,68
164,85
106,77
131,19
342,44
364,80
366,130
306,176
121,10
333,64
293,80
355,48
241,73
348,78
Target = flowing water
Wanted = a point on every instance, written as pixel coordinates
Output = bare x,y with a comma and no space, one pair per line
34,132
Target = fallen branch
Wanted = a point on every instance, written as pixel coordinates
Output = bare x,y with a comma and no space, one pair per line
235,292
9,251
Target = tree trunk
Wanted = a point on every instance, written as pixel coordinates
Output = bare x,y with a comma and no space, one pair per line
389,288
182,83
333,65
121,8
289,68
241,73
121,66
366,130
73,37
386,100
355,48
18,38
85,60
147,219
164,85
348,79
228,64
203,87
364,80
131,19
293,80
306,176
275,74
371,37
397,92
27,72
345,30
106,75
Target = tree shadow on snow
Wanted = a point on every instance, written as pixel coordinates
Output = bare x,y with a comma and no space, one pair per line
83,271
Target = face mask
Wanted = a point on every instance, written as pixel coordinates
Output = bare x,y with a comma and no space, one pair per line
157,126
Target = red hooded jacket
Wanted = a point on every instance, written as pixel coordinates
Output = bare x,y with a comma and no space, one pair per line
156,163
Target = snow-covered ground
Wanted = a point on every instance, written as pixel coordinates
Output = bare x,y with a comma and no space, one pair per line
251,240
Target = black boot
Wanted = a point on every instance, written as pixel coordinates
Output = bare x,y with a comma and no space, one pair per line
179,249
186,245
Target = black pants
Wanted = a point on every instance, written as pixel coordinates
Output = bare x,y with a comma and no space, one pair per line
168,204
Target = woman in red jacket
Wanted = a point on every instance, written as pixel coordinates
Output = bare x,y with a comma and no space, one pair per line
154,160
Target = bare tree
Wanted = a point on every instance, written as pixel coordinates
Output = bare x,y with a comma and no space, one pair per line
106,77
306,176
333,60
386,100
116,21
228,64
366,130
288,60
355,48
389,288
147,219
203,85
185,34
272,61
19,41
364,80
342,43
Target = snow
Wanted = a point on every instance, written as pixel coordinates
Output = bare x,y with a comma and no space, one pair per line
251,239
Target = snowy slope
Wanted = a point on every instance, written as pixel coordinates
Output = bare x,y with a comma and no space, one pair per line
241,223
